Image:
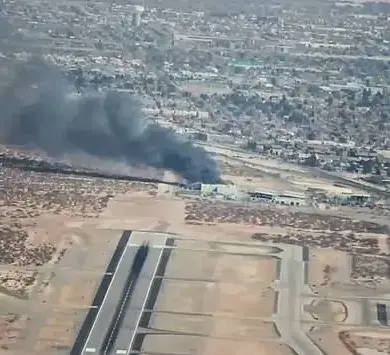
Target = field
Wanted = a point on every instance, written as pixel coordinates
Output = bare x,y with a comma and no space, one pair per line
213,300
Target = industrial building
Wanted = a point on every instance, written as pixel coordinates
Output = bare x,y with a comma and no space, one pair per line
221,191
234,193
276,197
352,199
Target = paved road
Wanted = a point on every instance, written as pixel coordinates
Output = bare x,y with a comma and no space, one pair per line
289,303
107,310
329,175
133,313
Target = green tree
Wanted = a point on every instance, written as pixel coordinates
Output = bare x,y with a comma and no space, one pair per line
368,165
251,145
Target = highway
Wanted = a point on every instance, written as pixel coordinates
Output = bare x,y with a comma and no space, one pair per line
289,303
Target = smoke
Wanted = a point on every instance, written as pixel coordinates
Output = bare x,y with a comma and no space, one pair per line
39,109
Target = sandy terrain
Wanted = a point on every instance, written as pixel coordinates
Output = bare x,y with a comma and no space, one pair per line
371,340
335,340
57,333
328,340
239,291
306,182
231,347
375,335
186,297
263,214
327,310
258,183
48,228
201,264
328,266
11,327
66,292
250,329
234,300
173,344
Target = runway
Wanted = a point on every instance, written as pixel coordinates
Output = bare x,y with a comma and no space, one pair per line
98,300
288,318
133,314
114,330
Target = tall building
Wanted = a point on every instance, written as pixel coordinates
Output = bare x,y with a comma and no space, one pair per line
138,10
281,22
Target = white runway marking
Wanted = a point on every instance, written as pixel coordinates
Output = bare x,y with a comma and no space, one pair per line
104,299
144,304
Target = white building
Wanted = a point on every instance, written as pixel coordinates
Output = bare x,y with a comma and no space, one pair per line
219,191
138,10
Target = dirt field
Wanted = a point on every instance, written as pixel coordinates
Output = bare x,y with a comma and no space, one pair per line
327,311
328,266
234,300
238,286
231,347
228,327
60,255
179,344
379,340
245,288
11,327
58,332
336,340
328,340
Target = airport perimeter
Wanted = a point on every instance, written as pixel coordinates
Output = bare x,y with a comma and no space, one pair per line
198,295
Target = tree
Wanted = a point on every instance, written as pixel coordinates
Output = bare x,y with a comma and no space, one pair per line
312,161
368,165
329,100
366,97
377,170
310,135
251,145
377,98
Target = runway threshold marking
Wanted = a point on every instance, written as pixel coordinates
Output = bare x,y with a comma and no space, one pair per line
157,282
79,344
214,251
104,299
155,246
119,317
145,301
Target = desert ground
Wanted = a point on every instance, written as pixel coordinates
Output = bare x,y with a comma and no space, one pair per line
58,233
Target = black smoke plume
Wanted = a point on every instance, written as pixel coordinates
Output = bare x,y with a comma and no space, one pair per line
39,109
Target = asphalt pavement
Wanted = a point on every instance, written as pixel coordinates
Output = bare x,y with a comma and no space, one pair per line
291,286
130,307
138,299
106,312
